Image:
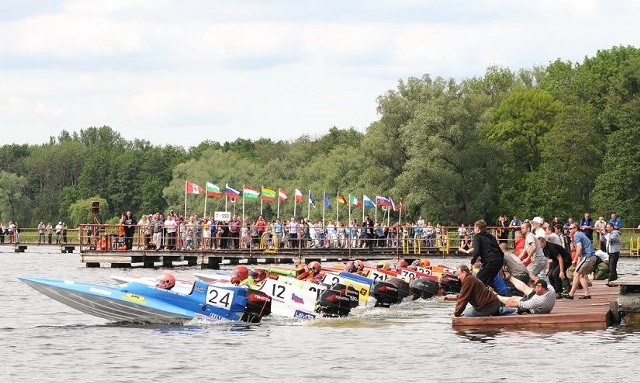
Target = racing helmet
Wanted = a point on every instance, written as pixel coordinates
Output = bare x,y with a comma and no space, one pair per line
359,265
315,267
258,275
165,281
301,269
402,265
350,267
239,274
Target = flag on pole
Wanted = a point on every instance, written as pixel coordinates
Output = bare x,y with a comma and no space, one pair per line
192,188
213,190
382,201
341,199
249,192
354,201
298,196
367,202
231,192
401,205
393,205
282,194
268,194
327,201
312,201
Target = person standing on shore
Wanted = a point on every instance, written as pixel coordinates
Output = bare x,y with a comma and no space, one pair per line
587,261
611,236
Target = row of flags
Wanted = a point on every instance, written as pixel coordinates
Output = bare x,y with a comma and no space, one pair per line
270,195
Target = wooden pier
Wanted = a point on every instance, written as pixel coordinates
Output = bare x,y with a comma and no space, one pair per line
596,313
213,259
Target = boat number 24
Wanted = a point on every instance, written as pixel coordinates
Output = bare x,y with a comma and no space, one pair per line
219,297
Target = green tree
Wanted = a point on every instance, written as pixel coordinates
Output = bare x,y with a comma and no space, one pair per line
13,201
80,211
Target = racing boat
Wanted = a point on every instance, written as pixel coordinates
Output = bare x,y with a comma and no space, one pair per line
293,298
141,303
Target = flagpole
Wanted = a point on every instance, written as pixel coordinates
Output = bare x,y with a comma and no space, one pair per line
278,211
308,205
226,198
243,223
337,208
349,209
388,215
205,202
185,198
295,203
260,205
375,214
363,206
324,205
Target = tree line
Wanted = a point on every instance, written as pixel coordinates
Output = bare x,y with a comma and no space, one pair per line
554,140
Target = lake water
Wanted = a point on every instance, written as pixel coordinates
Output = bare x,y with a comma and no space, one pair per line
42,340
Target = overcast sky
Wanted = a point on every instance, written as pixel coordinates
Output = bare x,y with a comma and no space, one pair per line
181,72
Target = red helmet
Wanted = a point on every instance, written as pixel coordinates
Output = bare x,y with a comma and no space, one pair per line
165,281
301,269
359,265
258,275
239,274
315,267
402,265
350,267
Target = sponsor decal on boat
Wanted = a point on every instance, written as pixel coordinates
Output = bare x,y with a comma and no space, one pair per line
303,315
209,317
199,289
296,298
134,298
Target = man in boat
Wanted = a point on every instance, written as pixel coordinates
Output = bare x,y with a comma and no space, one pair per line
484,302
538,299
165,281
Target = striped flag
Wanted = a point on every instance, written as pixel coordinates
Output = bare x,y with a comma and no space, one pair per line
282,195
213,190
268,194
231,192
299,196
249,192
341,199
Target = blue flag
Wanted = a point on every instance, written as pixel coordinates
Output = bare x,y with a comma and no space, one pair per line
312,201
327,201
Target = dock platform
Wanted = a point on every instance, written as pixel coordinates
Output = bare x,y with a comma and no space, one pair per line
596,313
213,259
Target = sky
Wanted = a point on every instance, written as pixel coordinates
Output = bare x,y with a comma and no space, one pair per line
182,72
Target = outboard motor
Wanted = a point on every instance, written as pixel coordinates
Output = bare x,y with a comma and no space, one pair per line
424,288
258,305
450,284
390,292
337,300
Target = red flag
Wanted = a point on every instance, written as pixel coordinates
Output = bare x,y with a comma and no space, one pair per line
299,196
193,188
282,195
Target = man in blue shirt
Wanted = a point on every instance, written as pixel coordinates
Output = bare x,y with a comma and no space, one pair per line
586,259
615,221
586,225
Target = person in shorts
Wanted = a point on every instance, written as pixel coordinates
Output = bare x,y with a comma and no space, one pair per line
585,259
